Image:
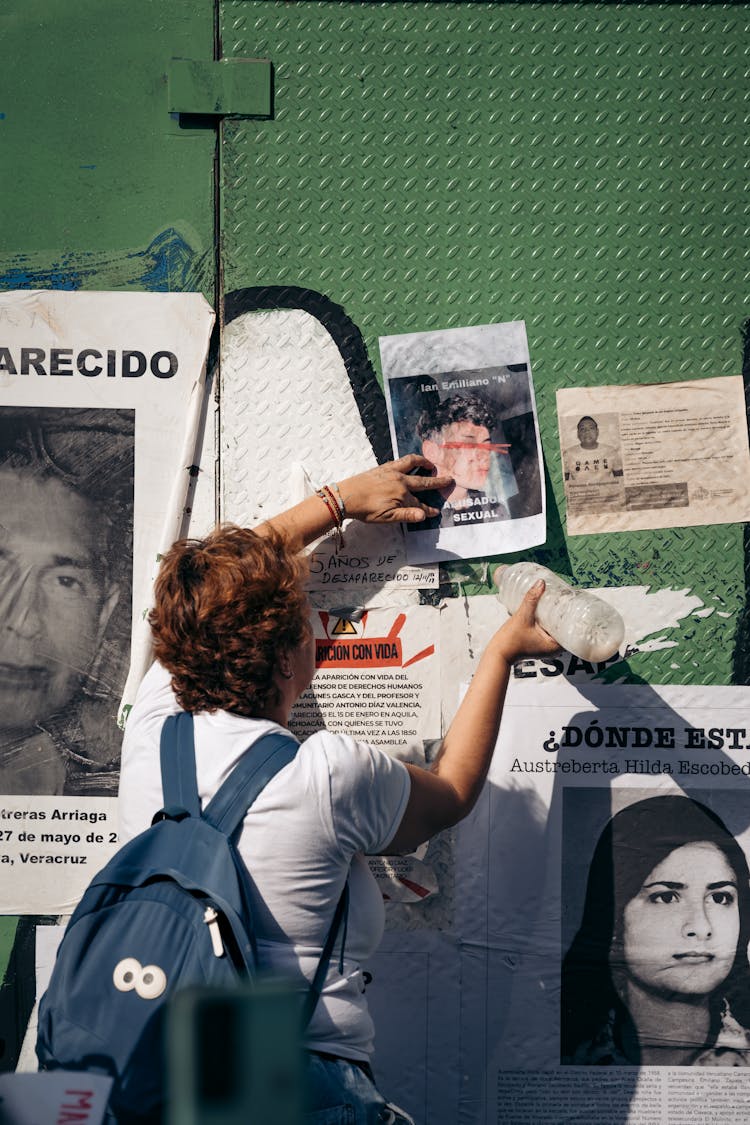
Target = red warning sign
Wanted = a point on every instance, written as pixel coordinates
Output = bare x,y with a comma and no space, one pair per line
337,650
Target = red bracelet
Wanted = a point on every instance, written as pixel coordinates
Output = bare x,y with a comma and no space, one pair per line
329,500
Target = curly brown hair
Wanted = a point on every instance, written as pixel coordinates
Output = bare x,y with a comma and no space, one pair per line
226,608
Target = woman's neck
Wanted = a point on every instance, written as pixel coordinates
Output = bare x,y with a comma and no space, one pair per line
664,1031
275,713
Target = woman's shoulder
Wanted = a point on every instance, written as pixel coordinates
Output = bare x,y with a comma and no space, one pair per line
366,789
343,752
154,701
154,696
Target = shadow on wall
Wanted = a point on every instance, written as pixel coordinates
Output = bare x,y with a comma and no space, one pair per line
741,659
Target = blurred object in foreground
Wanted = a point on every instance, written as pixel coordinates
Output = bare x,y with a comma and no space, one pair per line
234,1056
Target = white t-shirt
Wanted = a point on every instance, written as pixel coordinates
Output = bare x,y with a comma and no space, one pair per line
335,801
601,464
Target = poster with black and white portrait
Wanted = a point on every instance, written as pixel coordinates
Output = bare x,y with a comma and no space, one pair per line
66,560
616,833
464,399
655,923
100,398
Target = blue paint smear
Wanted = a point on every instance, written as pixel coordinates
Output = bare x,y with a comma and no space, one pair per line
53,278
2,117
167,265
87,165
168,259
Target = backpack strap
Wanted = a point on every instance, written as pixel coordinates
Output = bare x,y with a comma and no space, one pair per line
177,756
341,914
228,807
268,754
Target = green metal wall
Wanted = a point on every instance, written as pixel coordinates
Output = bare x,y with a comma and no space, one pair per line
577,166
101,187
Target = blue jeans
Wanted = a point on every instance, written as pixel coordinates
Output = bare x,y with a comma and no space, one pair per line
339,1093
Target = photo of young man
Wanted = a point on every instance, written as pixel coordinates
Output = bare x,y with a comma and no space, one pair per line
456,436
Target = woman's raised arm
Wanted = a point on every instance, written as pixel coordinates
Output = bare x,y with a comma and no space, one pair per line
447,791
385,494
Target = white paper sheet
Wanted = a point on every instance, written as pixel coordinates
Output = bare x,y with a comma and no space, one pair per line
464,398
100,396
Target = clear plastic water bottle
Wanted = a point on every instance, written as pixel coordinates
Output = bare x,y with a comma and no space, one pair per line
582,623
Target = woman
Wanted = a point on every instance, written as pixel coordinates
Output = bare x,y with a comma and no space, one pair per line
657,974
234,646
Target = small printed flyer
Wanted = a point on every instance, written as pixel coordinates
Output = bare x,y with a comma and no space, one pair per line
658,455
376,677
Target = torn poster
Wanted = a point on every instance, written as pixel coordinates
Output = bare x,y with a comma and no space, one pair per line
100,395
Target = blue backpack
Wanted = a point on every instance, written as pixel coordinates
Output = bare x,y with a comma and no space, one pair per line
170,909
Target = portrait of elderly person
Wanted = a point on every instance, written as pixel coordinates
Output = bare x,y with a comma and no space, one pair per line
456,435
234,646
658,973
66,508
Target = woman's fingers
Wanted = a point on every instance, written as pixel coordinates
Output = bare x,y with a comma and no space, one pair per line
531,600
418,481
522,635
388,493
420,484
411,462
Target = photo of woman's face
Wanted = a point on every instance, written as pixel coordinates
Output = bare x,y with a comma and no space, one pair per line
681,929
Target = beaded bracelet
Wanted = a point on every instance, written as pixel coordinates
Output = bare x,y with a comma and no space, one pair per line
332,504
340,499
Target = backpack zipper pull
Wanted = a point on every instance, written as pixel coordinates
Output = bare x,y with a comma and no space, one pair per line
211,918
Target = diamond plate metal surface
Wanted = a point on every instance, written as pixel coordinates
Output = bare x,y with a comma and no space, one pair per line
289,423
580,167
285,401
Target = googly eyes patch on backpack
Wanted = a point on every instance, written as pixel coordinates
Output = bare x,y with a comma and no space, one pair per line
149,981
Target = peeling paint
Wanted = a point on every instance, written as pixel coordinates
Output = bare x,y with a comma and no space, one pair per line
168,264
646,611
655,620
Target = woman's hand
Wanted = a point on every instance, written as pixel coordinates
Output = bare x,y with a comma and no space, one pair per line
522,635
385,494
388,494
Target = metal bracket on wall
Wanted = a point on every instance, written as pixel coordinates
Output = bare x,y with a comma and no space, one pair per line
229,87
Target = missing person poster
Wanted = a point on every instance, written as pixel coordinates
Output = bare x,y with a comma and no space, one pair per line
601,937
376,678
463,398
100,395
658,455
